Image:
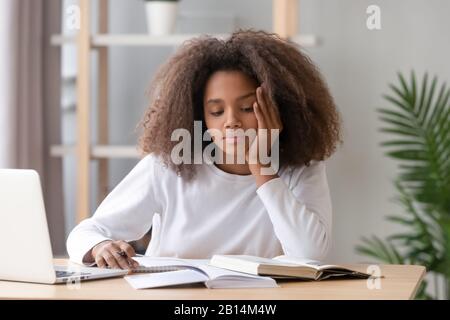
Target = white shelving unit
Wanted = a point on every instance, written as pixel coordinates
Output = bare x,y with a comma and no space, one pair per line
284,24
106,40
98,151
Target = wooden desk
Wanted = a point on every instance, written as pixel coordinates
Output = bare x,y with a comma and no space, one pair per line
399,282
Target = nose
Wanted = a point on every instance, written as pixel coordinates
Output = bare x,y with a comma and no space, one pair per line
231,121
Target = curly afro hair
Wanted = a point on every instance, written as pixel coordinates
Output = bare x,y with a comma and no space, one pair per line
311,122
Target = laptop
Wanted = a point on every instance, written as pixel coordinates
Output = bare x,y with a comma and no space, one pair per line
26,249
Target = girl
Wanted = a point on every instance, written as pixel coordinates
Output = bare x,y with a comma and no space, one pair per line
253,80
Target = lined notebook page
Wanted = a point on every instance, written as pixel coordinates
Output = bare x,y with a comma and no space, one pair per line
142,269
185,271
163,264
163,279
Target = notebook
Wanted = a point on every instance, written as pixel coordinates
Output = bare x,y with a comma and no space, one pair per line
156,272
284,267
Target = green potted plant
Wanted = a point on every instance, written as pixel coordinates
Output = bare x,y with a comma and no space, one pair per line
161,16
418,121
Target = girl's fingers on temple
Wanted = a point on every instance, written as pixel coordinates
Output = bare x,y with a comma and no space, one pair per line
261,108
259,116
263,102
271,109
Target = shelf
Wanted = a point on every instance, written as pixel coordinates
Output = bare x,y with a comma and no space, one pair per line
60,39
61,151
306,40
105,40
98,151
102,151
143,39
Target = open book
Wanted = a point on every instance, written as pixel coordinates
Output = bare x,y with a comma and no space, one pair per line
284,267
155,272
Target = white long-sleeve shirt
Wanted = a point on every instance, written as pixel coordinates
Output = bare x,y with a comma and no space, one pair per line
217,213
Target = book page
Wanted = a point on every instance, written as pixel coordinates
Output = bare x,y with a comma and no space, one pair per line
167,263
305,262
215,273
251,259
223,278
164,279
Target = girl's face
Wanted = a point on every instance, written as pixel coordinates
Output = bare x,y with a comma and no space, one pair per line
228,105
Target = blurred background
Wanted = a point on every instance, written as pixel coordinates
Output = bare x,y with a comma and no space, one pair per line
359,46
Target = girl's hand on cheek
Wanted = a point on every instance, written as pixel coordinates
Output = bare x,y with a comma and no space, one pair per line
268,119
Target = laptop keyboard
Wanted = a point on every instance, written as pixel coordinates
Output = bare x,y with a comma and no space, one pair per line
64,274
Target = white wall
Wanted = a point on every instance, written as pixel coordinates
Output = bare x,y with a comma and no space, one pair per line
357,63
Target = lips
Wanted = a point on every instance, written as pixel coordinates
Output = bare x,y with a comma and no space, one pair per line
233,135
232,139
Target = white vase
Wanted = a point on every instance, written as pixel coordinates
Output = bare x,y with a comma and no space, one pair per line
161,17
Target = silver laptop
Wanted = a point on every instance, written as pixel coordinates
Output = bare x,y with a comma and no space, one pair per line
26,250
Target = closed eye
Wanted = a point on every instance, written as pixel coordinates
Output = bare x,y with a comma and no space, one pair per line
244,109
216,114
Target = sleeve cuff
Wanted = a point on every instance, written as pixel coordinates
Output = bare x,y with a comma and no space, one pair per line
83,247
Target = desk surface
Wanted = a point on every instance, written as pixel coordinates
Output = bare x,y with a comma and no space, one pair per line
399,282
